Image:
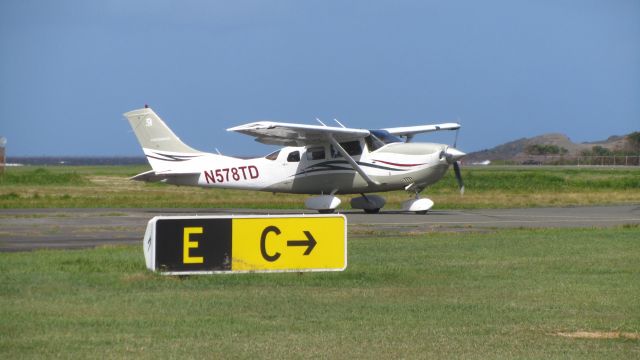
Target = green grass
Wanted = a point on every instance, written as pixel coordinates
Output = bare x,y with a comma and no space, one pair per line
504,294
546,179
43,177
486,187
109,170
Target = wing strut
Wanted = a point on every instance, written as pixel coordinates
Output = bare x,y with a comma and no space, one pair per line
353,163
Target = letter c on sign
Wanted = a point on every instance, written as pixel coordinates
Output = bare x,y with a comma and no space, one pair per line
263,243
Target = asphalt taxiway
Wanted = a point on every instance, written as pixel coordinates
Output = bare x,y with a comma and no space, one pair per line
30,229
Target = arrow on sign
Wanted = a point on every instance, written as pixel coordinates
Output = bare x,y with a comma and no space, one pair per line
310,243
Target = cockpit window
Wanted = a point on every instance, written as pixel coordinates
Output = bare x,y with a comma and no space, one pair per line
315,153
379,138
352,148
273,155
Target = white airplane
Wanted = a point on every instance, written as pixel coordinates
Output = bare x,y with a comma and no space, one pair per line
484,163
317,159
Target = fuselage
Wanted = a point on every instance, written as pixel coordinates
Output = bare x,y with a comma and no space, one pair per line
318,169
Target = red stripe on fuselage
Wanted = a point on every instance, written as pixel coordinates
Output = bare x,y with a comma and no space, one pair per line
394,164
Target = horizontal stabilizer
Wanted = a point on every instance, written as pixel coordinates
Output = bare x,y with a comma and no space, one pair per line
154,176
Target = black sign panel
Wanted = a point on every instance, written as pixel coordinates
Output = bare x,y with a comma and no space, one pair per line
193,244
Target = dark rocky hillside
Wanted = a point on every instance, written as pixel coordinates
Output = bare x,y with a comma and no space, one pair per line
526,148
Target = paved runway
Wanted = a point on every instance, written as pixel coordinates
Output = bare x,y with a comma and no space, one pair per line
29,229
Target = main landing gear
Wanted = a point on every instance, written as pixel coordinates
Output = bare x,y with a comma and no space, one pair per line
325,204
370,204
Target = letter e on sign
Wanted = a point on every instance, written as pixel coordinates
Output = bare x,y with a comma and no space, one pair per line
190,244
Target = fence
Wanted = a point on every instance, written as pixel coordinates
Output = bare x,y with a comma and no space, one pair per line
610,160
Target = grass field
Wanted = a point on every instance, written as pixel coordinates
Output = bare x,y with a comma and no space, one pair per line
503,294
486,187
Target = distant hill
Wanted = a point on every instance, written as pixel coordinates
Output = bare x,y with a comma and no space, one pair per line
522,149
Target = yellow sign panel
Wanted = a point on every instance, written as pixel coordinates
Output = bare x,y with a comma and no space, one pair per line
289,243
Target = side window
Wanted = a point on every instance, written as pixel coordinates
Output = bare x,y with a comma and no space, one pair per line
315,153
273,155
294,156
352,148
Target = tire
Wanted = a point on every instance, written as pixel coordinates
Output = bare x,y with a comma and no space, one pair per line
372,211
423,212
327,211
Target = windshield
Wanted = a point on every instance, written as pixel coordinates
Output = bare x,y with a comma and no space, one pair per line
379,138
385,136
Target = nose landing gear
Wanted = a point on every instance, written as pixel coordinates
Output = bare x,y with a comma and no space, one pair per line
417,205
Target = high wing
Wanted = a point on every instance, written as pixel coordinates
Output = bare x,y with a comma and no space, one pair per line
286,134
410,131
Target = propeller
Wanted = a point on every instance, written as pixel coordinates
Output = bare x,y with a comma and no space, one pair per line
456,169
455,140
453,155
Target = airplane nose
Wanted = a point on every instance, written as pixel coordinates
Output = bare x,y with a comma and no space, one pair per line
454,154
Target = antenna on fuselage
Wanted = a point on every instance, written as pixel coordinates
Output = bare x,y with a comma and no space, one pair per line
218,151
339,123
318,120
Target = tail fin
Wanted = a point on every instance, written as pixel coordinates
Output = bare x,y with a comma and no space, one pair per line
165,152
154,134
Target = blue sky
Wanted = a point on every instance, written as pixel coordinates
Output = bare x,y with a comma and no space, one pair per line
506,69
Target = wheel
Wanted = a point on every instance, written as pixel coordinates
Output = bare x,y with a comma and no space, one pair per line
372,211
326,211
423,212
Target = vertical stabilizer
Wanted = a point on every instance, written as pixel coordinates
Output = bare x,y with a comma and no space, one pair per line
164,150
154,134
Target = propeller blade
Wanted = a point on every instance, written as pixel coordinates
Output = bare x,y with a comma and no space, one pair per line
456,169
455,140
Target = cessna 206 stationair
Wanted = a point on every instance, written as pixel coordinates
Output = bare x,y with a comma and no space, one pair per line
317,159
